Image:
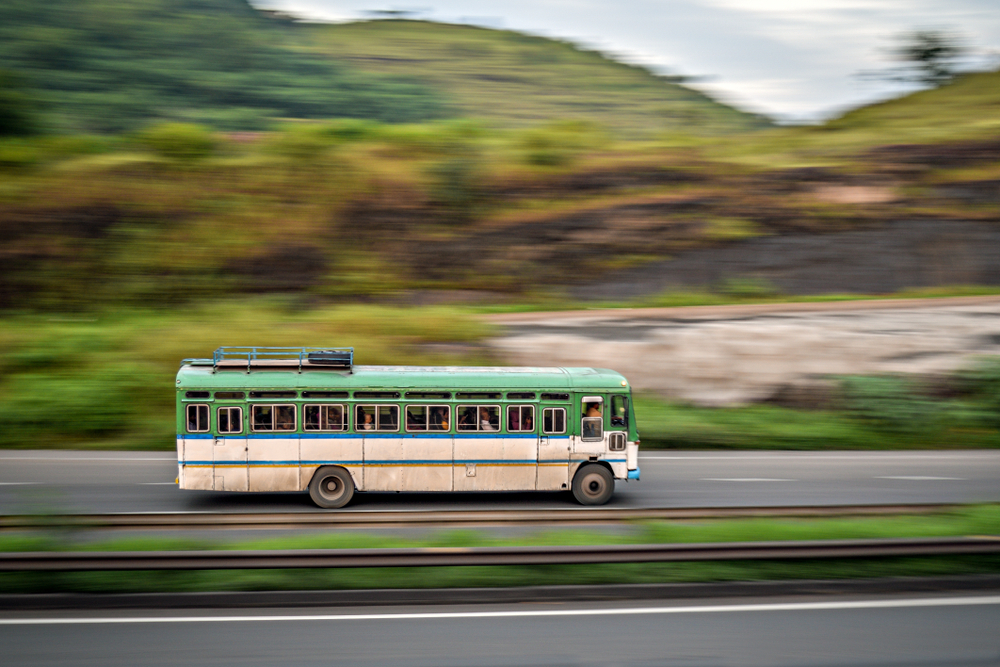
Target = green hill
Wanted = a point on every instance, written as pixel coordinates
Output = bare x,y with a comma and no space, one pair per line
111,65
965,110
516,79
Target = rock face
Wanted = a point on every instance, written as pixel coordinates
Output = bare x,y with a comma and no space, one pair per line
883,259
739,354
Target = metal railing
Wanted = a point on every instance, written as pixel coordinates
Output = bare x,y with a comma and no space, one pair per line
480,556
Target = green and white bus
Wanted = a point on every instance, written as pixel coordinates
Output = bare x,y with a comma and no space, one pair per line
292,419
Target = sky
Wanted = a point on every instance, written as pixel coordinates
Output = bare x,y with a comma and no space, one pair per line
794,60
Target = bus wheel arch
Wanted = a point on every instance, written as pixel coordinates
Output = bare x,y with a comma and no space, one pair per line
593,484
331,487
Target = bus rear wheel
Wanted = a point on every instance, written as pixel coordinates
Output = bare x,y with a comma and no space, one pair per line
331,487
593,485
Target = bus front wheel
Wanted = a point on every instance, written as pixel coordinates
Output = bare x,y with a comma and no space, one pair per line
331,487
593,485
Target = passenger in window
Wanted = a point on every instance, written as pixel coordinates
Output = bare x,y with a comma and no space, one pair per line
439,420
467,419
593,409
485,424
528,424
513,423
366,422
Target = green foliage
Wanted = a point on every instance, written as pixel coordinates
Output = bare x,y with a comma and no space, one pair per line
889,403
182,142
19,114
557,144
107,66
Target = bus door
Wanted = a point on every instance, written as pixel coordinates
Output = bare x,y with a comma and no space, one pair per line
592,437
553,446
229,449
618,432
384,457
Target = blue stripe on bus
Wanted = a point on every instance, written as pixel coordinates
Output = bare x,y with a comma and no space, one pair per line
391,462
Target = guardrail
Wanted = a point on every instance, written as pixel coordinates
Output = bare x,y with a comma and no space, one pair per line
478,556
382,519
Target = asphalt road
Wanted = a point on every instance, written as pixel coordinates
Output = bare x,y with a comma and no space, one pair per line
99,482
893,631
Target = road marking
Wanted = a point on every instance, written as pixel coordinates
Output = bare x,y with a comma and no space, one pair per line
156,483
602,611
919,478
746,479
18,483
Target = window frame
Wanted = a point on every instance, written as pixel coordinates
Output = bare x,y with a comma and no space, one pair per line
520,418
187,418
359,426
427,418
564,421
218,419
478,426
344,421
273,406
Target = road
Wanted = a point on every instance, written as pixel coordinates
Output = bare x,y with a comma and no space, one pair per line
927,631
106,482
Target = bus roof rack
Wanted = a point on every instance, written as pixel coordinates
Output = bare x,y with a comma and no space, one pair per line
341,358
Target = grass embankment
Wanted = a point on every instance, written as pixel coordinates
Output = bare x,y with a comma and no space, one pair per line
973,520
104,380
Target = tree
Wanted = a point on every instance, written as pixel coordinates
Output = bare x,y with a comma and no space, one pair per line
930,57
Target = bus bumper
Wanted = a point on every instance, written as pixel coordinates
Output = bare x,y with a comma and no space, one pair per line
633,474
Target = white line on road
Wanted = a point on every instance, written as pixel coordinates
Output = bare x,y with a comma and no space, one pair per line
18,483
603,611
921,478
156,483
746,479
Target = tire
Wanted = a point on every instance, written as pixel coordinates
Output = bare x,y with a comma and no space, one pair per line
331,487
593,485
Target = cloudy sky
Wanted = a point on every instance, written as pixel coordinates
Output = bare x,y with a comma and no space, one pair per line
796,60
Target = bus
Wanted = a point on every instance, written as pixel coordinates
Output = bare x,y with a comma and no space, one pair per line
298,419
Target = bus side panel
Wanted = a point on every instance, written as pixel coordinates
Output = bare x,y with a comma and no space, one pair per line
331,450
428,463
553,463
194,458
495,463
384,459
273,463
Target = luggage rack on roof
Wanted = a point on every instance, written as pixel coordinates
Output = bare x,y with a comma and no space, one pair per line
328,357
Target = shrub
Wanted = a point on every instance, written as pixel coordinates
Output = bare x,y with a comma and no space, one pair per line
179,141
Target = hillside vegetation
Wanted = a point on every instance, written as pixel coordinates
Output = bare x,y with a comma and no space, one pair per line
513,79
112,65
108,66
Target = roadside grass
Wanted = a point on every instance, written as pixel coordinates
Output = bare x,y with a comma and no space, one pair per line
969,520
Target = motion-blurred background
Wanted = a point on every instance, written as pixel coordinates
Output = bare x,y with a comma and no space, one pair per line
177,175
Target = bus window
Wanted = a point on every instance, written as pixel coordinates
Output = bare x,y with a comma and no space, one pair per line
427,417
229,420
553,421
478,417
619,411
521,418
273,417
197,418
592,426
324,418
376,418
